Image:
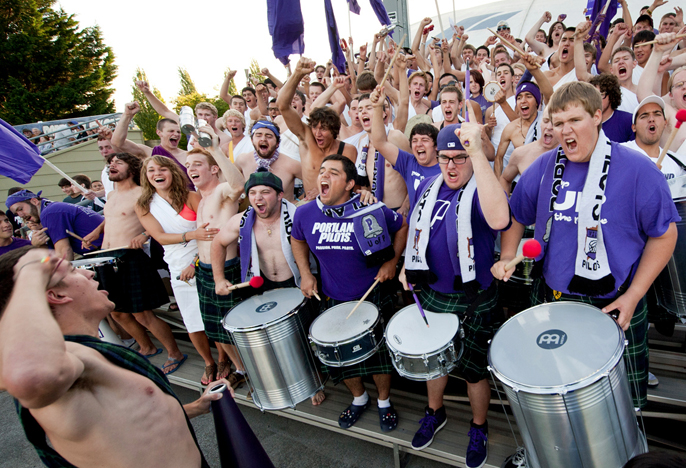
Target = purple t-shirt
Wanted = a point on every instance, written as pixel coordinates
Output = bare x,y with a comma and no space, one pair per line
410,170
638,205
618,127
16,243
58,217
345,275
438,255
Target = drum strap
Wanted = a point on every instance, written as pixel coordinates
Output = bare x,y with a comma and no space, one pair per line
676,160
483,296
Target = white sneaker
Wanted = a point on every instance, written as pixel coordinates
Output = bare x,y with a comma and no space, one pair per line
652,380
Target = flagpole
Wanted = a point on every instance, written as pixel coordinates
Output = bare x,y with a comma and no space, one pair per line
440,21
350,27
63,174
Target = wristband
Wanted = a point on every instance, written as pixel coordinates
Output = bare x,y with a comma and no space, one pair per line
649,12
183,239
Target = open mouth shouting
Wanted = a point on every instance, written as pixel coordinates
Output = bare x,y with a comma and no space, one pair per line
548,138
564,54
571,145
324,188
261,207
174,140
622,72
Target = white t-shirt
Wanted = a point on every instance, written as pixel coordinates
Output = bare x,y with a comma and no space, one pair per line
669,168
638,71
629,101
61,140
244,146
248,122
568,78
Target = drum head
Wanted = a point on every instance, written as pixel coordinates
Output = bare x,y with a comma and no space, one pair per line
554,347
490,89
331,326
408,334
262,309
91,262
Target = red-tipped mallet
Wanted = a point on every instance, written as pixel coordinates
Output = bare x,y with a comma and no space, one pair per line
530,249
255,282
680,118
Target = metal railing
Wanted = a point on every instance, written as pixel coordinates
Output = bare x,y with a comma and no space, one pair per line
67,134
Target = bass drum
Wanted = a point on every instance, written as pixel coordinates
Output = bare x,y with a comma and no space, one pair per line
562,368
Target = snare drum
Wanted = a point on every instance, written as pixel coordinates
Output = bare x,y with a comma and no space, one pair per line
490,89
93,263
270,332
564,375
423,353
340,342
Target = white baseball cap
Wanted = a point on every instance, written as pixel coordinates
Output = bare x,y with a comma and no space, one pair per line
652,99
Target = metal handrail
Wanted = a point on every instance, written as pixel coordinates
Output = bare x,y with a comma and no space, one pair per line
50,146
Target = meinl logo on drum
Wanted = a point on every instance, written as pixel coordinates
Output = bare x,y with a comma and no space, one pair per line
551,339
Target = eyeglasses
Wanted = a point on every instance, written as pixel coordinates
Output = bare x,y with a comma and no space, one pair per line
678,85
449,83
457,160
502,28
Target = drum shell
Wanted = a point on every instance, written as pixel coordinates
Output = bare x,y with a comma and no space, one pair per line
278,362
428,366
351,350
590,427
670,285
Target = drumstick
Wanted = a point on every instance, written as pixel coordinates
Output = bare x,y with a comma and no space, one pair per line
512,46
395,55
680,117
81,239
365,294
416,301
678,36
255,282
126,247
314,293
530,249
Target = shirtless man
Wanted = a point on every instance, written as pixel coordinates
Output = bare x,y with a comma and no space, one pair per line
168,130
675,100
317,139
135,287
270,218
265,139
523,156
524,129
93,410
203,110
219,203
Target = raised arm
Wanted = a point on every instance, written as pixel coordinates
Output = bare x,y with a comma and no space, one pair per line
122,130
304,67
579,54
379,139
160,107
224,91
35,366
604,65
262,94
531,63
277,82
321,101
530,37
402,112
234,179
665,43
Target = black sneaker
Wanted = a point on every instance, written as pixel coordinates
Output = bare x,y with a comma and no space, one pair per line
477,451
431,423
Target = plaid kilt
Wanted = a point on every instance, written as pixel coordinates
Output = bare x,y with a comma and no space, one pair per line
377,363
213,307
135,286
477,331
635,354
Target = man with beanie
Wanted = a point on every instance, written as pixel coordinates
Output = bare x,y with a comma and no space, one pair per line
456,216
57,218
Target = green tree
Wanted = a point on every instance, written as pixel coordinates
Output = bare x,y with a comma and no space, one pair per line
187,85
51,69
147,117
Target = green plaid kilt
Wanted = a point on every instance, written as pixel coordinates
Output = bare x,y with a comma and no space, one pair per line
213,307
636,353
477,331
377,363
135,286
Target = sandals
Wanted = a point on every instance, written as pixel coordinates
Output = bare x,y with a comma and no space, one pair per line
351,414
174,362
222,367
211,373
388,418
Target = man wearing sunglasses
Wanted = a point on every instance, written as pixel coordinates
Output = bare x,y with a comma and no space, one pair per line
456,216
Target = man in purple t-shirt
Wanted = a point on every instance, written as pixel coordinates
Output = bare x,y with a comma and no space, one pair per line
334,228
7,240
616,123
57,218
449,253
604,253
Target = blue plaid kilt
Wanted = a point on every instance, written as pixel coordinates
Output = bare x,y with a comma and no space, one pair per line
478,329
213,307
377,363
635,354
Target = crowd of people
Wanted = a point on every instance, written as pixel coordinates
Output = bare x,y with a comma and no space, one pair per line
341,182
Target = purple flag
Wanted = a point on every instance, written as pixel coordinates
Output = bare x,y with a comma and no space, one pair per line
337,56
598,6
286,26
354,7
380,10
19,158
